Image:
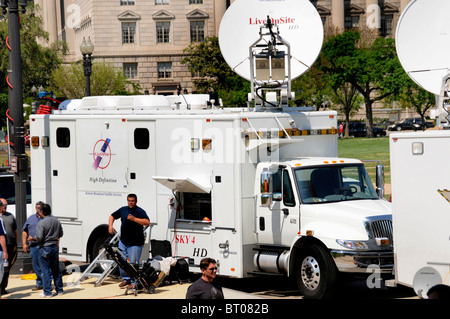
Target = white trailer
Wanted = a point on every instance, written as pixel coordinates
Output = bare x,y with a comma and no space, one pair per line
420,199
420,183
260,189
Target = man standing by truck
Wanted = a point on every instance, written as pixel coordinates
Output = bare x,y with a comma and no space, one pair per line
9,222
3,250
133,219
29,230
48,233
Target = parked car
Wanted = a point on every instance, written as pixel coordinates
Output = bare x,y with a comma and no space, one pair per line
7,191
410,123
358,129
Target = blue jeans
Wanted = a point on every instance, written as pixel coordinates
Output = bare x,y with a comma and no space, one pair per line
34,253
49,262
1,268
133,254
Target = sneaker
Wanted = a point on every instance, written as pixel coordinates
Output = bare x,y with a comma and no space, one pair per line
36,288
59,293
43,295
123,284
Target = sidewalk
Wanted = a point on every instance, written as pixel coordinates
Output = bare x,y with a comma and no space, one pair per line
19,288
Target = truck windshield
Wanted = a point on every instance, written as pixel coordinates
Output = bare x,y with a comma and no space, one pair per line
334,183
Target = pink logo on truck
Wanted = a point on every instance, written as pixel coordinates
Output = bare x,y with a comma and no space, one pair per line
102,154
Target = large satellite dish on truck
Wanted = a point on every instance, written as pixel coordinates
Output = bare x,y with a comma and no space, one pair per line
423,42
299,24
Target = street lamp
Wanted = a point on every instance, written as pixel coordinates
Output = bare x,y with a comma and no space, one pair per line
87,48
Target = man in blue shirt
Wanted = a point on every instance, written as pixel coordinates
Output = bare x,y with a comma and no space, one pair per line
48,233
29,230
132,239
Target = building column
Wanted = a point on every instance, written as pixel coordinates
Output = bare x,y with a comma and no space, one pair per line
337,14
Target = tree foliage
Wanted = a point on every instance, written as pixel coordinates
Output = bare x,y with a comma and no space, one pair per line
69,81
38,61
417,98
212,74
370,64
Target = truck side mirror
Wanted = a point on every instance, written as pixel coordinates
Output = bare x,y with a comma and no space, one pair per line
380,180
266,188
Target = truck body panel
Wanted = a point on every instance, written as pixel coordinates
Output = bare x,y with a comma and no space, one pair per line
421,208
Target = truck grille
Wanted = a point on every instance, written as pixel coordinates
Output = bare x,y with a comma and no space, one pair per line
382,228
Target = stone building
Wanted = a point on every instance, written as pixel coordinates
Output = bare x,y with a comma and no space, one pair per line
146,38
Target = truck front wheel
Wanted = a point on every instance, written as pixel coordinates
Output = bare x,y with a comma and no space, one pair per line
315,273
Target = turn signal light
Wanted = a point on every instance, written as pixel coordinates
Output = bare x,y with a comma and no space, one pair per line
35,141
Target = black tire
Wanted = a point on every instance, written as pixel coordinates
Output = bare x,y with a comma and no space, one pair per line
151,289
315,273
97,247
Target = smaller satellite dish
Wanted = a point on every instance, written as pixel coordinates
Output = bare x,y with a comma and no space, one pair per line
299,24
424,279
423,42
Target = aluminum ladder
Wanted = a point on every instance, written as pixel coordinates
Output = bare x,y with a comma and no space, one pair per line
101,259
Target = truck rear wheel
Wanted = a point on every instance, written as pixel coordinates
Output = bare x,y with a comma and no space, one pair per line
97,248
315,273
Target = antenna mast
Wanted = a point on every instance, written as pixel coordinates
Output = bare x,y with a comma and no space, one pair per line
270,68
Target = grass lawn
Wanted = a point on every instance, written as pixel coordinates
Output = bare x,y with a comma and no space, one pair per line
368,149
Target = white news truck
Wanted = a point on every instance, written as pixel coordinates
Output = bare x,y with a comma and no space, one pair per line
419,178
261,192
260,189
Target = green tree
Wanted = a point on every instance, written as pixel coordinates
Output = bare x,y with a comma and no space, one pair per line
417,98
368,63
38,61
69,81
312,88
205,61
347,99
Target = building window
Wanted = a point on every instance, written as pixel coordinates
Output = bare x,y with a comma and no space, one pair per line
128,32
127,2
195,1
162,32
130,70
197,31
161,1
387,25
352,22
164,70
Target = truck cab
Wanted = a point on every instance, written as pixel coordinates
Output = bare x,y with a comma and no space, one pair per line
316,217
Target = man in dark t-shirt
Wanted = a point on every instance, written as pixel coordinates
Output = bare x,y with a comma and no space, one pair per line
132,239
206,287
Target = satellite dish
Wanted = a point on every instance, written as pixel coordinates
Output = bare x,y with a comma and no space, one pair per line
299,24
423,42
424,279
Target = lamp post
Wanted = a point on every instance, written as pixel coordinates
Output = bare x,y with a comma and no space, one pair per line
87,48
18,158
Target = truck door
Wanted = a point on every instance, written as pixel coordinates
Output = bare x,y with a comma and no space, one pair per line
63,173
141,168
277,213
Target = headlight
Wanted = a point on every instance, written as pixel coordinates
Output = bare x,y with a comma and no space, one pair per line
353,244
